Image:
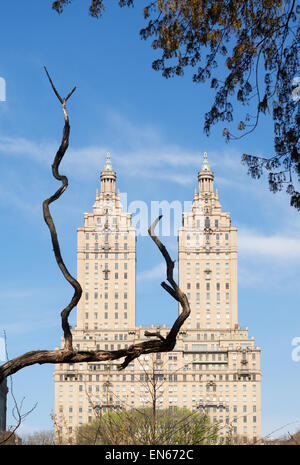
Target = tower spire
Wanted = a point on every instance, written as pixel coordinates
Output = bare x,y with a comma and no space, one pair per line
108,177
108,165
205,165
205,177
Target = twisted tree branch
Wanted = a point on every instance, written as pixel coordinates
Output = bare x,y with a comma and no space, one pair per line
49,221
68,354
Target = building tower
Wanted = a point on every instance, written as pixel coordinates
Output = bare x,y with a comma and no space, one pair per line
223,358
106,259
207,257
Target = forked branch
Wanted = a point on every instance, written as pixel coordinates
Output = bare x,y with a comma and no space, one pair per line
50,223
67,354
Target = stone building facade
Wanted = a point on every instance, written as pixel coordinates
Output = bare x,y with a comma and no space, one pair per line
215,366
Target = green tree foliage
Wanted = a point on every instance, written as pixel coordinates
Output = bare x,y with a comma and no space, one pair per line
255,47
128,427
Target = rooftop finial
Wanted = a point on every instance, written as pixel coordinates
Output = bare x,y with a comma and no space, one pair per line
205,165
108,165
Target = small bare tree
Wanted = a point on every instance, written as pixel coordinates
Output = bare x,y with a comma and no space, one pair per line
117,422
68,354
18,413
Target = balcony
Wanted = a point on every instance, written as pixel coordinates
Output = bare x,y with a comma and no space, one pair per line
244,373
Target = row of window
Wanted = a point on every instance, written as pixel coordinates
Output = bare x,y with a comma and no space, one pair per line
218,409
105,326
208,286
198,236
145,376
106,273
98,265
109,387
207,296
95,246
208,222
96,295
106,235
97,256
208,266
116,315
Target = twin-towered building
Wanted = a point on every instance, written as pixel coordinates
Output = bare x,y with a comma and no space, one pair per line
215,366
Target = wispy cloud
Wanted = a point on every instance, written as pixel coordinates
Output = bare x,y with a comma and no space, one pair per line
136,151
280,247
21,147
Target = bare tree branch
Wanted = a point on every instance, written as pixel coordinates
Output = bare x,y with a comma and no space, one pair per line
67,354
49,221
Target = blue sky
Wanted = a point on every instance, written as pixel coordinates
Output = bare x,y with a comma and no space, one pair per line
153,129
